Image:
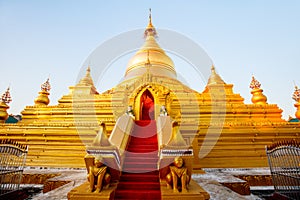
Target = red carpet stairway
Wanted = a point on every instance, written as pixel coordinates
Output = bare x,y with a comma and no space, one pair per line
140,178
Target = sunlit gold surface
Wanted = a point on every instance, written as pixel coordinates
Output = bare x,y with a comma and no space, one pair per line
3,111
178,176
57,134
98,176
297,114
42,99
258,97
151,52
214,78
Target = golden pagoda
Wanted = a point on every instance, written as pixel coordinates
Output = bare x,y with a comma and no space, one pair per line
222,130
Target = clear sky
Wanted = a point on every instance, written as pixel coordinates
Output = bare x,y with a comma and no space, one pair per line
41,39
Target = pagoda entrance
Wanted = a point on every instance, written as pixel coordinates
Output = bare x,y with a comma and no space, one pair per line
147,106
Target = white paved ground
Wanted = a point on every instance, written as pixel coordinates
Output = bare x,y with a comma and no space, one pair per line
210,181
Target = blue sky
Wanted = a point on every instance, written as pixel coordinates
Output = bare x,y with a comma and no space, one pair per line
41,39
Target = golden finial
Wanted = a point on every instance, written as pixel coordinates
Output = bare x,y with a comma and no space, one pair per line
176,139
6,98
87,79
213,68
258,97
214,77
101,139
150,17
46,86
296,94
43,99
296,97
150,30
254,83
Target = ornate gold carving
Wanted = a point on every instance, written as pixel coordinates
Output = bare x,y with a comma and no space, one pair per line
98,176
258,97
178,178
5,99
296,97
43,98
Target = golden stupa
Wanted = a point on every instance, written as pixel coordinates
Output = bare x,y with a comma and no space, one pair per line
223,131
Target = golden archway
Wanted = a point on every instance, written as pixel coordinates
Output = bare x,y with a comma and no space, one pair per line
150,98
147,106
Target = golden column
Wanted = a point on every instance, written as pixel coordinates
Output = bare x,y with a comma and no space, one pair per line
6,99
43,99
258,97
296,97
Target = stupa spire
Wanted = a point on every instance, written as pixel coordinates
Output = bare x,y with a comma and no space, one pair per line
255,84
87,79
150,29
176,139
214,77
296,97
5,99
258,97
101,139
43,98
46,86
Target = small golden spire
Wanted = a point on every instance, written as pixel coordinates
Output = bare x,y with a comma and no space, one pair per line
296,97
258,97
43,98
87,79
150,17
101,139
46,86
296,94
6,98
150,30
214,77
255,84
176,139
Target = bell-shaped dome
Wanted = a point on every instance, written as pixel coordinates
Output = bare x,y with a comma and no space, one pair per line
150,58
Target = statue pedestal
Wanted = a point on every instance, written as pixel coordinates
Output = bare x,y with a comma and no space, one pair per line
195,192
81,193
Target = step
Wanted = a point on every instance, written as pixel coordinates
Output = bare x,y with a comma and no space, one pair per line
143,134
136,150
137,194
141,138
139,177
143,146
136,170
139,165
144,159
130,185
144,142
